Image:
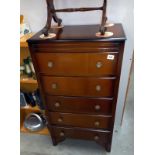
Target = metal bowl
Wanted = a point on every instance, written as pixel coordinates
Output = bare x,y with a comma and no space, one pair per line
34,122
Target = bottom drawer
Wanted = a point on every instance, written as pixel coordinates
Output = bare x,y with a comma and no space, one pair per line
79,133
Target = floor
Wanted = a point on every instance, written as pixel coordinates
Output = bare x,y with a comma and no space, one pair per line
123,141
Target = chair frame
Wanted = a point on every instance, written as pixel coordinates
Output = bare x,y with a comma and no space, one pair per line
51,14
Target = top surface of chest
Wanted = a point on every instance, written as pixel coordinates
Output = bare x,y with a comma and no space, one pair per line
77,33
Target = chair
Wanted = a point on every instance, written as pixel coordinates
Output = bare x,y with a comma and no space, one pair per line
51,14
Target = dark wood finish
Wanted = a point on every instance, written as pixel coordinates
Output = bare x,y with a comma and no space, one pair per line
77,64
78,86
77,47
61,133
79,104
82,120
104,18
51,14
79,35
69,90
116,92
79,9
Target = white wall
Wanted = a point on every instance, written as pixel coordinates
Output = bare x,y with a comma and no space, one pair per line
120,11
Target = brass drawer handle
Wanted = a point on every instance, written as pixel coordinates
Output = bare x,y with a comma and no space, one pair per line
57,104
97,107
99,64
60,120
96,138
54,86
62,134
98,88
97,124
50,64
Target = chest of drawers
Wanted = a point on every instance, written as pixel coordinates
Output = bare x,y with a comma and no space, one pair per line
78,76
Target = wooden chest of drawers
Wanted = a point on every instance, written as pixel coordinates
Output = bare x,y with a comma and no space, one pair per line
78,76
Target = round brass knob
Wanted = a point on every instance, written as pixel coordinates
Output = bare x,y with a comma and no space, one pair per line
62,134
57,104
50,64
99,64
98,88
54,86
97,107
60,120
96,138
97,123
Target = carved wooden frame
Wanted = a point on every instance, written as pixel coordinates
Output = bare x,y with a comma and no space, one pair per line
51,14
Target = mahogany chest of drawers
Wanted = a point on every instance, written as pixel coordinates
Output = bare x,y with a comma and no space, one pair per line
78,76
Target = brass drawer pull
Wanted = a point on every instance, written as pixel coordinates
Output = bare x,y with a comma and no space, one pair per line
99,64
97,107
60,120
96,138
98,88
54,86
50,64
57,104
62,134
97,124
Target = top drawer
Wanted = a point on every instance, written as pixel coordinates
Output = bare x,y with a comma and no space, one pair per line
77,64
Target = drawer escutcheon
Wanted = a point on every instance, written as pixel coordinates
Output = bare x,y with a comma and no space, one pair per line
54,86
62,134
96,138
98,88
50,64
97,124
97,107
99,64
57,104
60,120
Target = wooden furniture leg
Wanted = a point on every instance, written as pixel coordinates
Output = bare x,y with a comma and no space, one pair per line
50,14
49,18
104,18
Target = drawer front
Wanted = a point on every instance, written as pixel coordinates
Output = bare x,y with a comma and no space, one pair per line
77,64
80,120
79,104
77,133
73,86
